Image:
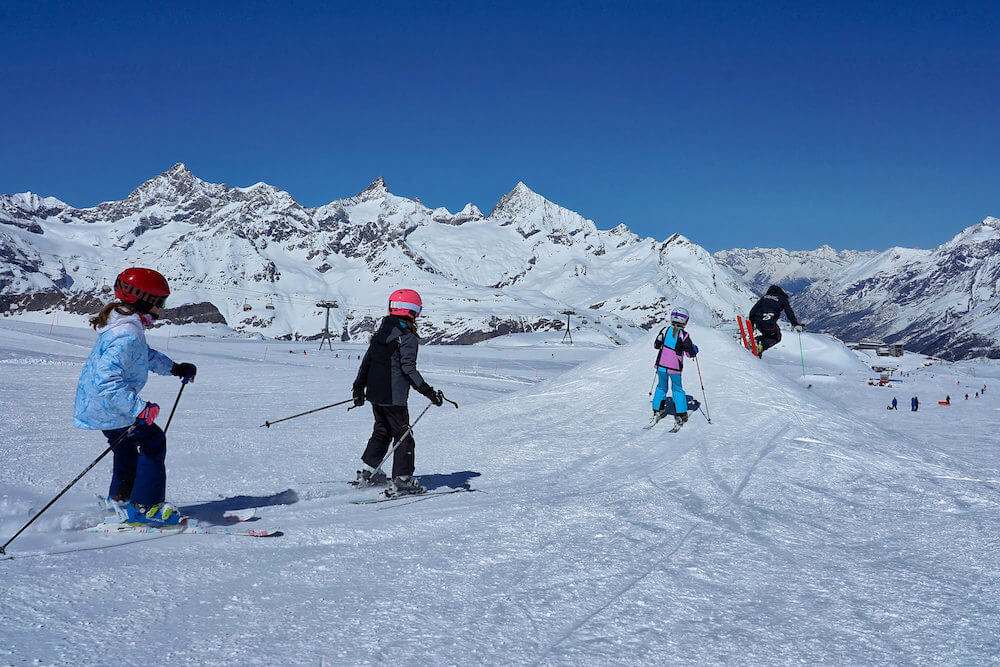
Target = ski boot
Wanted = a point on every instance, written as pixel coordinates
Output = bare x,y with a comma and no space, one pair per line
680,418
368,478
404,485
160,515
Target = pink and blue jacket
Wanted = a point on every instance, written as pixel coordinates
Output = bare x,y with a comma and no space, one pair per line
673,343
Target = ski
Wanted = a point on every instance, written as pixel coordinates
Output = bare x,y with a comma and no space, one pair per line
748,336
743,331
189,528
753,339
239,515
409,496
655,420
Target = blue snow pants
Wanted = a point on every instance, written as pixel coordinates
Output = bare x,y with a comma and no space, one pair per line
139,472
664,380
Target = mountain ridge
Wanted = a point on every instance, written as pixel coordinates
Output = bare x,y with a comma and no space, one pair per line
943,301
515,269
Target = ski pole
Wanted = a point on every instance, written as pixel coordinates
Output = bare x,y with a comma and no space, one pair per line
653,386
174,409
703,395
802,355
87,469
409,429
308,412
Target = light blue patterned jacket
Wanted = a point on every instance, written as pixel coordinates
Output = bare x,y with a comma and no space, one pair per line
107,396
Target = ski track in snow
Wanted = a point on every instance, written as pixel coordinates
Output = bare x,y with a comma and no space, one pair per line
803,524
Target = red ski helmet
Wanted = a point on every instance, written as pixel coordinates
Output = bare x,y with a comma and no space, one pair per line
405,303
142,288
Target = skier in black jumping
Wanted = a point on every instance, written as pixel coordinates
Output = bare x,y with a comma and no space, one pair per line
764,316
387,372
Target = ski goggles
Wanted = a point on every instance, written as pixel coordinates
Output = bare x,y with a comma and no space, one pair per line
404,305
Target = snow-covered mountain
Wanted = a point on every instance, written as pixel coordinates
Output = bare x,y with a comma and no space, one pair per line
254,259
794,270
943,302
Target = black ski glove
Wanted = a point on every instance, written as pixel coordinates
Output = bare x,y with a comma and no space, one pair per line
433,396
185,371
359,399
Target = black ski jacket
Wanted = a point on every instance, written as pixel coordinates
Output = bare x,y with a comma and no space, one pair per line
389,367
767,310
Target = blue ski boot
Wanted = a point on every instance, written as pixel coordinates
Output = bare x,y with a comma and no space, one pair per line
160,515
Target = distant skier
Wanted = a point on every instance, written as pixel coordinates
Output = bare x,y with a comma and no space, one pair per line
764,316
107,397
388,370
894,405
914,404
673,342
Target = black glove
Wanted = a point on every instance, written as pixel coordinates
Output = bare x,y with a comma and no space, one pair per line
359,400
185,371
435,397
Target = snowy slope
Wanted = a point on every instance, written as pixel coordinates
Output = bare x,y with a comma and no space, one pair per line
943,302
805,524
229,253
793,270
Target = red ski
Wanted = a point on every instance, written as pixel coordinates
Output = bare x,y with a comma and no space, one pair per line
746,332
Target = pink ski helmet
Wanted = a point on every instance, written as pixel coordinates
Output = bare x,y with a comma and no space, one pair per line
405,303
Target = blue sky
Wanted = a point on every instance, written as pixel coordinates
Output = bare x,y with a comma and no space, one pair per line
861,125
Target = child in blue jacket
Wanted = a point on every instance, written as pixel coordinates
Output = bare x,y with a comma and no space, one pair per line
107,397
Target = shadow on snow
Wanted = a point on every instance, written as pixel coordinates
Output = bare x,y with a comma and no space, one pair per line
455,480
214,510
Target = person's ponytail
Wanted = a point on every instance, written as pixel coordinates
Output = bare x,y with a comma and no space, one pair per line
100,320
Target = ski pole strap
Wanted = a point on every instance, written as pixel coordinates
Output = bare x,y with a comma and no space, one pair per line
302,414
445,398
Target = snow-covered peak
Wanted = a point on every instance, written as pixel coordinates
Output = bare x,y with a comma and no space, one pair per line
29,201
986,231
265,195
529,212
376,190
678,240
520,198
174,185
470,212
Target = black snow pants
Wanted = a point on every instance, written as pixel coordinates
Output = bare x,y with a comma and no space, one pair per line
767,337
391,422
